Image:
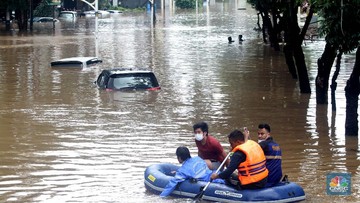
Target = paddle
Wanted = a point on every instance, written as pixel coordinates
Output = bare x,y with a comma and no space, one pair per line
199,196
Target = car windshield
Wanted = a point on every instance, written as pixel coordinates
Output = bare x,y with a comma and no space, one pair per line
133,81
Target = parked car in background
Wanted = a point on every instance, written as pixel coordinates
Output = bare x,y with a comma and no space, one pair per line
75,62
91,13
114,11
67,15
127,79
87,14
44,20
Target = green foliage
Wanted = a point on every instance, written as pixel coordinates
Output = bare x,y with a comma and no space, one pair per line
122,9
3,4
261,5
341,23
104,4
186,4
44,9
18,5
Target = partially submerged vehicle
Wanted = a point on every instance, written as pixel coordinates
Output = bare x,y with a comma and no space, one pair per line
127,79
75,62
44,19
68,16
114,11
92,13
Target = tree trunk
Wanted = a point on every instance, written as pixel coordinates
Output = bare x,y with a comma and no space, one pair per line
302,70
274,31
290,60
294,41
267,24
288,48
264,31
306,24
258,22
21,17
8,20
31,14
333,81
352,91
325,63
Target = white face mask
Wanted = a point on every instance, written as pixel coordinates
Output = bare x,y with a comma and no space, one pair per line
199,137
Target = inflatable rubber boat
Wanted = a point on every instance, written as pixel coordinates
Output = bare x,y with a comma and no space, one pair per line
158,175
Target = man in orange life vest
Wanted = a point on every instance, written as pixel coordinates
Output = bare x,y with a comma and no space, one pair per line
249,159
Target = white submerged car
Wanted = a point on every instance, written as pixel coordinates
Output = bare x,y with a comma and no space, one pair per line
75,62
92,13
68,16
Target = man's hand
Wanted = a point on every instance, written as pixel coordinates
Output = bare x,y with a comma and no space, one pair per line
246,134
214,176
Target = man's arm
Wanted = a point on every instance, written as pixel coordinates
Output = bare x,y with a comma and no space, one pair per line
263,145
178,178
237,158
223,157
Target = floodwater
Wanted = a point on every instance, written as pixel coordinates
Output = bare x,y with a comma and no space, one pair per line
63,140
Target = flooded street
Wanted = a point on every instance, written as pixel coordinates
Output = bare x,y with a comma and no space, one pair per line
64,140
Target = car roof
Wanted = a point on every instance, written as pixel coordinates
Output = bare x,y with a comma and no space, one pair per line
114,11
74,12
127,70
75,60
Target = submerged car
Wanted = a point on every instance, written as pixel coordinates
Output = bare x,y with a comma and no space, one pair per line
92,13
127,79
114,11
44,19
67,16
75,62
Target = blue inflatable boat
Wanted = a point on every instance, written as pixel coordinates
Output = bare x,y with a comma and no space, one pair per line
158,175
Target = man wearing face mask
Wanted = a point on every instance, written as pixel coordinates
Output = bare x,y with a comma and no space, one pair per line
272,153
209,148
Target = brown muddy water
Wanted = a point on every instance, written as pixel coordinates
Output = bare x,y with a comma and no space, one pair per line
64,140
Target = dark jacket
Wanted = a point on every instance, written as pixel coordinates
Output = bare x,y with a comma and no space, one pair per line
273,154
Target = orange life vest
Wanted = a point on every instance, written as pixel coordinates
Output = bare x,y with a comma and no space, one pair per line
253,169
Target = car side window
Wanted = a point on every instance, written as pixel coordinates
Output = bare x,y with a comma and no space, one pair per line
93,61
101,81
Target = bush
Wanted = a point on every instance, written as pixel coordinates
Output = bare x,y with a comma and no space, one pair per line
44,9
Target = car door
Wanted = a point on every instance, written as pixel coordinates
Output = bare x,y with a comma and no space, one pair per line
102,80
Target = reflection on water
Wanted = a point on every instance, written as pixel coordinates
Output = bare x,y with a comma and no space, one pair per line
64,140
